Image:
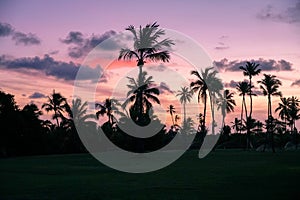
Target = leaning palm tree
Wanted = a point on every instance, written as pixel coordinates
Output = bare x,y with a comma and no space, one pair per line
171,110
269,85
226,104
185,95
243,88
283,108
146,45
58,104
250,70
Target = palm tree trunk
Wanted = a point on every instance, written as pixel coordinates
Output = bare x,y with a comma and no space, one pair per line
172,119
184,113
242,112
56,116
250,114
270,106
245,106
204,113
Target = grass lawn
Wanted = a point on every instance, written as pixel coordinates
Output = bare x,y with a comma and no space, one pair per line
223,174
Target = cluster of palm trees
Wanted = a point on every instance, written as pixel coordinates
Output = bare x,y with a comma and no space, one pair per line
208,88
138,107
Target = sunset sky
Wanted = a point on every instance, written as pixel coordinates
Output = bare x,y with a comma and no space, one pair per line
43,43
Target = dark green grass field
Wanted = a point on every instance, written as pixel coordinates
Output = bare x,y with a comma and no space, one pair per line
225,174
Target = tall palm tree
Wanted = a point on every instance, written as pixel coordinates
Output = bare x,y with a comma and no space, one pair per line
185,95
141,94
207,82
243,88
58,104
200,86
269,85
294,111
226,104
171,110
146,45
250,70
283,108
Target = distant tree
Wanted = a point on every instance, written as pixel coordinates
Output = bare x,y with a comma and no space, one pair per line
226,103
283,108
58,104
171,110
141,96
269,85
9,124
243,88
106,108
207,82
185,95
251,69
237,125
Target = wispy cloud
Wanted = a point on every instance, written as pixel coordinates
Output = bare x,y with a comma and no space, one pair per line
289,15
17,36
221,44
265,65
296,83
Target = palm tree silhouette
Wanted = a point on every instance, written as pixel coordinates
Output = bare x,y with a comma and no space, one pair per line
141,94
200,86
146,46
283,108
105,108
226,104
293,111
243,88
207,82
79,112
269,85
58,104
250,70
177,118
237,125
185,95
171,110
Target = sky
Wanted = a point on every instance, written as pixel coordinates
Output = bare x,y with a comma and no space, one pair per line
43,44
